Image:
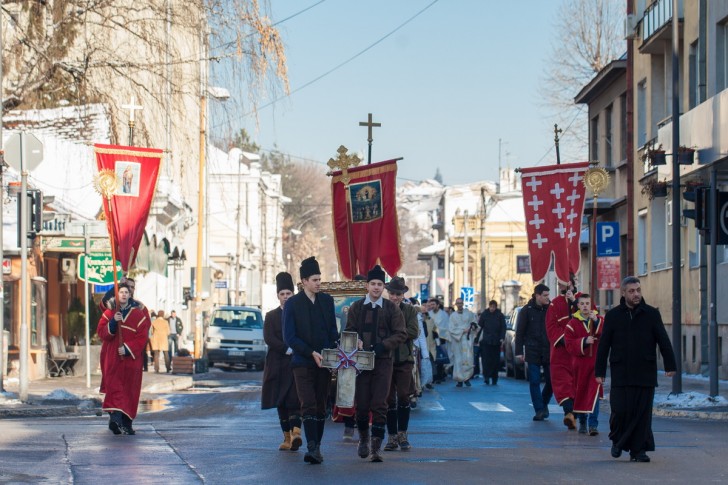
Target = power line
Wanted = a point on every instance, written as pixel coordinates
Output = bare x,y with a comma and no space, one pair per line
578,112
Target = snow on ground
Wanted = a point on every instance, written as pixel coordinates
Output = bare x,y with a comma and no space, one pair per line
689,400
60,395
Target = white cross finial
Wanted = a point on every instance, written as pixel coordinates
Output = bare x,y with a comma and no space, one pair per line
540,240
132,107
557,191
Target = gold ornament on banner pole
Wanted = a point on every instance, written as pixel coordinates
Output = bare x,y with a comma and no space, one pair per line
596,179
106,183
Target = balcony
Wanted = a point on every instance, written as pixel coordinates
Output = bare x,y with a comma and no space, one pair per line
657,26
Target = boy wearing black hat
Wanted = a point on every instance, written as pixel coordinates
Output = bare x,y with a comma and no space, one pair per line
279,390
381,328
403,386
309,326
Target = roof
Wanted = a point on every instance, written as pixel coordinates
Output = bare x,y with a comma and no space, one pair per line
604,78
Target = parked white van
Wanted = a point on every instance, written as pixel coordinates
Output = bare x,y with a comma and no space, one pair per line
235,336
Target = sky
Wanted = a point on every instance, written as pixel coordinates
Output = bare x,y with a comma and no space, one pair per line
446,87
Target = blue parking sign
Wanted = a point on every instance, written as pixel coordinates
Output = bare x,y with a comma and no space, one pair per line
607,239
467,293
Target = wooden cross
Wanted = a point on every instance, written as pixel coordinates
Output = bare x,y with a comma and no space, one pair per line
370,124
348,361
344,162
132,107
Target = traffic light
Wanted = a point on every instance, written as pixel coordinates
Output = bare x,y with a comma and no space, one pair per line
698,195
34,215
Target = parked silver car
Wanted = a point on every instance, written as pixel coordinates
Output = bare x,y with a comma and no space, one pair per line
514,368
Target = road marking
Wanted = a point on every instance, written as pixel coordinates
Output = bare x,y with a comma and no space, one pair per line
491,406
430,406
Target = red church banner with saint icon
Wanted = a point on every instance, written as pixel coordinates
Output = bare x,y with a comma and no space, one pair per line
136,172
365,219
553,201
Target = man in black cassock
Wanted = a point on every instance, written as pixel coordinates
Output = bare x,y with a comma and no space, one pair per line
632,332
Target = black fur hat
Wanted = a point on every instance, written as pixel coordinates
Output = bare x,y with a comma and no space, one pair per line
284,281
376,273
309,267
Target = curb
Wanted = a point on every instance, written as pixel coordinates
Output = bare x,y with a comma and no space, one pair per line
684,413
176,384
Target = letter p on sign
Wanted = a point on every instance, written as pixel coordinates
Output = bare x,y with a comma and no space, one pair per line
607,238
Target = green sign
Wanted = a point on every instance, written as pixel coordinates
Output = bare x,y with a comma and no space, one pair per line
100,271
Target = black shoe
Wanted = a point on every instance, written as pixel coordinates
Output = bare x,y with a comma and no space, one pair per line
467,383
539,416
128,430
593,431
582,427
616,452
459,384
486,382
546,412
640,457
312,456
115,423
429,386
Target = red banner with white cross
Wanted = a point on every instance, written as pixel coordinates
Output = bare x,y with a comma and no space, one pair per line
553,201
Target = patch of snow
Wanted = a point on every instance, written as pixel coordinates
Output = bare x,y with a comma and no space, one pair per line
60,395
689,400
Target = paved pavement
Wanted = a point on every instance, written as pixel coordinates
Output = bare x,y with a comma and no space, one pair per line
70,396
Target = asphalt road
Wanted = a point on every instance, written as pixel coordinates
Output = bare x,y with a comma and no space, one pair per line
216,433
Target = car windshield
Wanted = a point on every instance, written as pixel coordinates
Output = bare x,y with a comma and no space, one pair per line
242,319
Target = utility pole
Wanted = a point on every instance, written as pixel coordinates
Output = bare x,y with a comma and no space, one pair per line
3,343
200,199
676,249
237,234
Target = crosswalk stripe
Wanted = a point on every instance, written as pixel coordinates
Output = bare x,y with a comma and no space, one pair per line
431,406
491,407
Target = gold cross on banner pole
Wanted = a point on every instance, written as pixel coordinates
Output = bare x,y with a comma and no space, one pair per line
370,124
344,162
132,107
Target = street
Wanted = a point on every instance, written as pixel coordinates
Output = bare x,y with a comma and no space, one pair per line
216,433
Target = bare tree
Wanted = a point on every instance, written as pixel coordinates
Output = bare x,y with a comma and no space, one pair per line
589,36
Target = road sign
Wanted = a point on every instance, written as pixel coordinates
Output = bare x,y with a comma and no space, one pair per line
467,293
607,238
100,271
32,151
221,284
608,272
424,292
7,266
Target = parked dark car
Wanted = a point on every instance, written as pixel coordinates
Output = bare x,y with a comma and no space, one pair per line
514,368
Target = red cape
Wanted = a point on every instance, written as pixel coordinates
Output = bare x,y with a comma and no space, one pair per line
562,376
121,377
587,390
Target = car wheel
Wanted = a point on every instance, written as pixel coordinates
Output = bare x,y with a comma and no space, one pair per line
259,367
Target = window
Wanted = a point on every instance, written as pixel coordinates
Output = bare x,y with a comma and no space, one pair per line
721,61
693,74
642,243
694,246
694,348
8,309
658,233
594,152
642,113
623,127
608,136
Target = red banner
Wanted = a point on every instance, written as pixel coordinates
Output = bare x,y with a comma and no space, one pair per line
136,172
609,272
365,219
553,201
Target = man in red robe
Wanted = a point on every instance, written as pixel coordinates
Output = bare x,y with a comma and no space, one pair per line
121,363
562,378
582,335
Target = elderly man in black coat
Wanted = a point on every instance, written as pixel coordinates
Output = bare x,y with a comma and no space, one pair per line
493,331
279,390
632,333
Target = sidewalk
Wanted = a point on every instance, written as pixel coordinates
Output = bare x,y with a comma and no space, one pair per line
694,401
64,396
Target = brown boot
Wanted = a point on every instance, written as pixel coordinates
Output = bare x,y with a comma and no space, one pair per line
286,445
392,443
376,454
296,440
570,420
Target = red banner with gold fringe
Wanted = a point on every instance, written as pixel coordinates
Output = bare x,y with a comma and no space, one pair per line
136,172
365,219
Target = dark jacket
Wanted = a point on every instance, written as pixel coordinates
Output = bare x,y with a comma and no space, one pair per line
278,386
630,340
493,327
309,327
404,353
531,333
389,331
